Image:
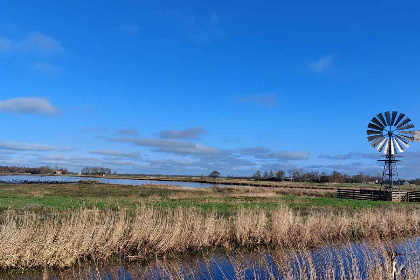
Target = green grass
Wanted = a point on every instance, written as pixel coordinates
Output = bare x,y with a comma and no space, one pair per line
101,196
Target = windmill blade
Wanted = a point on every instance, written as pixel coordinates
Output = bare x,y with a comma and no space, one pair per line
382,145
386,147
416,135
374,126
378,123
370,132
405,143
391,143
394,115
405,138
400,117
406,132
407,127
398,145
381,118
404,122
371,138
388,118
377,141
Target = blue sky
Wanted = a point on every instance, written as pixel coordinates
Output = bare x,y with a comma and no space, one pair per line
188,87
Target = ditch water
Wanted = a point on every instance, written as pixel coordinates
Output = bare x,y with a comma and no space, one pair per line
353,261
70,179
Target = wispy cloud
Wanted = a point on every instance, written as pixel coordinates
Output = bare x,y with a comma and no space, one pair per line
322,64
28,105
99,130
118,154
170,146
190,133
266,153
34,41
128,131
265,100
25,147
353,155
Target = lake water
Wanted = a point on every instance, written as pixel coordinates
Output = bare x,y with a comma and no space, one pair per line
71,179
353,261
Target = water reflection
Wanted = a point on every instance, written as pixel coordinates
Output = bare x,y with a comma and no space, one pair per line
70,179
353,261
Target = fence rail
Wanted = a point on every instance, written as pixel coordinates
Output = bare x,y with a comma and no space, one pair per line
365,194
413,196
401,196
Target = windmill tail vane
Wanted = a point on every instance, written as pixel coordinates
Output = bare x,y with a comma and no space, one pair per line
391,133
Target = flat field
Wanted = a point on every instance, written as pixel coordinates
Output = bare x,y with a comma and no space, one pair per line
227,200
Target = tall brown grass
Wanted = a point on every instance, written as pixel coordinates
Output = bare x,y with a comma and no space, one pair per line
62,238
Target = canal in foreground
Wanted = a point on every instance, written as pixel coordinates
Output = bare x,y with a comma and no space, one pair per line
351,261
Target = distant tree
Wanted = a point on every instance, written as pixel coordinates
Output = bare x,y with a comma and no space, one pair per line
337,177
280,175
265,175
257,175
214,174
96,171
271,174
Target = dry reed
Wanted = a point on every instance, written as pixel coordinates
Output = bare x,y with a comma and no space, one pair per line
62,238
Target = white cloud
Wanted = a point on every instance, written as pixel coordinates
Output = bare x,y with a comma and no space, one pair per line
34,41
25,146
266,153
190,133
28,105
128,131
322,64
170,146
116,153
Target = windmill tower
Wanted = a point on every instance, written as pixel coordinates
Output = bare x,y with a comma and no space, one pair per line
390,134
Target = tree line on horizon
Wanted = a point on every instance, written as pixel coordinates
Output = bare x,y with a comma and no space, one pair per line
32,170
301,175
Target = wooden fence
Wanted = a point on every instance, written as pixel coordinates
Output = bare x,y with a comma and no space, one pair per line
413,196
400,196
364,194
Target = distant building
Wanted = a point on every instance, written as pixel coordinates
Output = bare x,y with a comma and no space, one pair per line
58,172
288,179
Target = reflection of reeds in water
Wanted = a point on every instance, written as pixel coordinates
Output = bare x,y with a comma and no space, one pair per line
61,239
352,261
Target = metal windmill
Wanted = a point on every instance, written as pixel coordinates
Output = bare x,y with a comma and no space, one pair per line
391,133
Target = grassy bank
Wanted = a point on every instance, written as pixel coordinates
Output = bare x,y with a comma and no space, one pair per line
224,200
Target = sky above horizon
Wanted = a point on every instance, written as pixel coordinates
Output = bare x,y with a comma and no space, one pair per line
188,87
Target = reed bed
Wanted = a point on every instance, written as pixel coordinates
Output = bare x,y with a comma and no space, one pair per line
63,238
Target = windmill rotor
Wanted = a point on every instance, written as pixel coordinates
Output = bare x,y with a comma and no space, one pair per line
391,133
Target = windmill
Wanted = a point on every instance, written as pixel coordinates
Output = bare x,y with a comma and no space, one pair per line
390,133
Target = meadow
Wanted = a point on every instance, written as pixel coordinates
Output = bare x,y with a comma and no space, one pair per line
60,225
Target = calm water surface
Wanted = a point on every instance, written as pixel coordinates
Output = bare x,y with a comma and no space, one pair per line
334,262
70,179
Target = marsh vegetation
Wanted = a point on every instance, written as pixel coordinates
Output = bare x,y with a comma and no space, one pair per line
59,225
